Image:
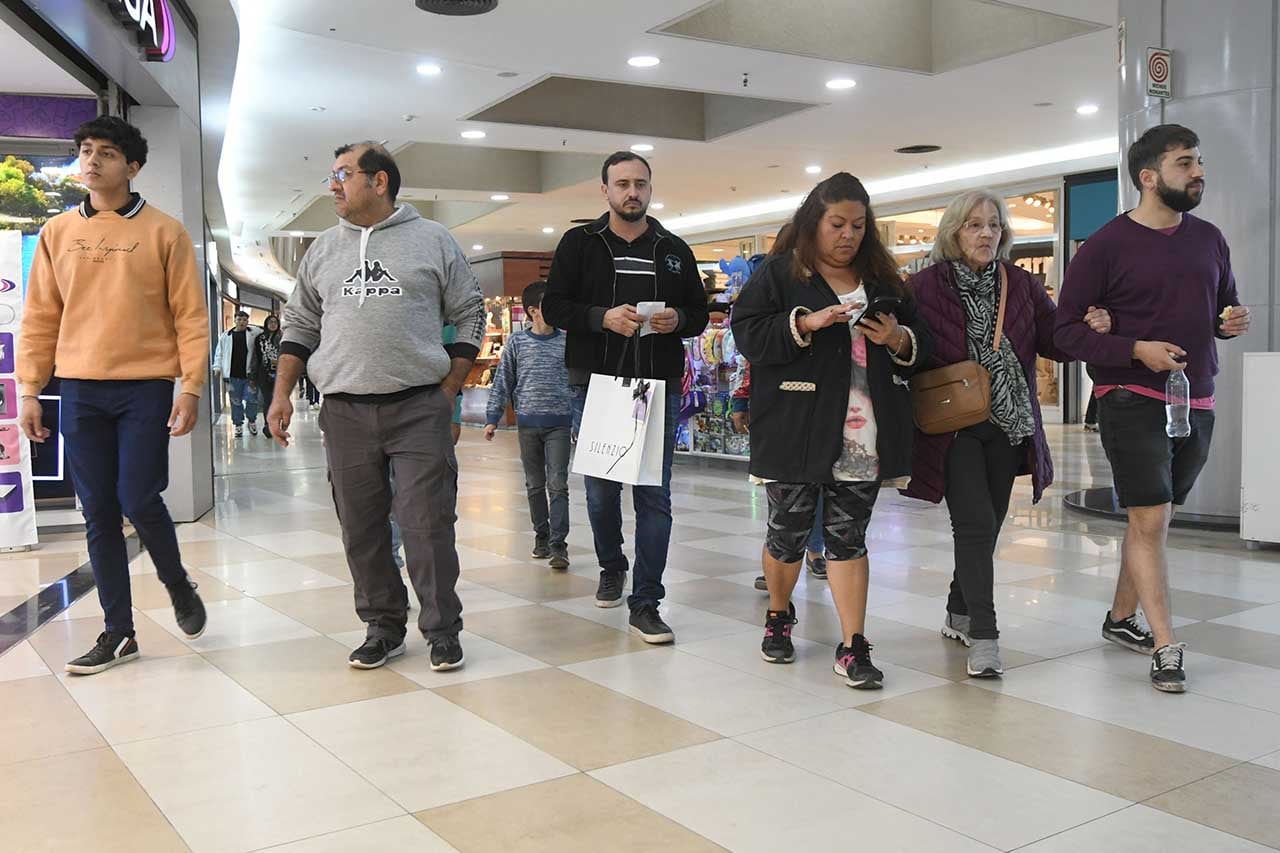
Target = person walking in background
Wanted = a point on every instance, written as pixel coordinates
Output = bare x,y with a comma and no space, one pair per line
236,361
1166,278
266,357
532,376
118,406
366,320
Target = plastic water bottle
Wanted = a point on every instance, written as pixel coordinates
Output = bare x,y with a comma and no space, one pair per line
1177,409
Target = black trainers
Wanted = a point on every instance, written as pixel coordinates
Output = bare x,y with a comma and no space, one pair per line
541,550
648,625
110,650
855,667
239,432
559,557
188,609
374,653
762,584
1129,633
446,653
1167,672
253,428
777,646
817,566
609,593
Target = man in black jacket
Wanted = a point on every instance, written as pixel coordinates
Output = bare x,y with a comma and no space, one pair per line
600,274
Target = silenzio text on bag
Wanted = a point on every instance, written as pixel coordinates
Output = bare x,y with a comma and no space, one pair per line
604,449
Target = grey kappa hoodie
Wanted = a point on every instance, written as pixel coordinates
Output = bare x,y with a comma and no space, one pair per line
370,305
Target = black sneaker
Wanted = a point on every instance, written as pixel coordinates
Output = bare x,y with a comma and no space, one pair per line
266,431
541,550
188,609
762,584
609,593
253,428
559,557
446,653
110,650
1167,673
648,625
1129,633
239,432
855,667
817,566
777,646
374,653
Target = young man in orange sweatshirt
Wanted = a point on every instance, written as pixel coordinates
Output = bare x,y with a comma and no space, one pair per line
116,263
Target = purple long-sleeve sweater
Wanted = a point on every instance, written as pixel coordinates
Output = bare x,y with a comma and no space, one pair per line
1158,287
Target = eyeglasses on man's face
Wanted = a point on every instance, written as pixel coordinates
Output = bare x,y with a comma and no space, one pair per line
341,174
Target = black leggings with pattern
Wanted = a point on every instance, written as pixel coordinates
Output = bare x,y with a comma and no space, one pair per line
846,514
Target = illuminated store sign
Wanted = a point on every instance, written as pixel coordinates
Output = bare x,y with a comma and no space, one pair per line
153,22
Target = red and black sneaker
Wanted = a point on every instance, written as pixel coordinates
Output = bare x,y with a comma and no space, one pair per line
777,646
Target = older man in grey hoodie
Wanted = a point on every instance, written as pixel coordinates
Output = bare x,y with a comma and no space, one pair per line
372,296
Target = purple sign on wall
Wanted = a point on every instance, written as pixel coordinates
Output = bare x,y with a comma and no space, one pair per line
44,117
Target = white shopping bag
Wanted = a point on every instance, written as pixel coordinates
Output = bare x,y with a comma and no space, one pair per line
621,434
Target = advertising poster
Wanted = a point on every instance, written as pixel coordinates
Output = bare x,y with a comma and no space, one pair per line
17,494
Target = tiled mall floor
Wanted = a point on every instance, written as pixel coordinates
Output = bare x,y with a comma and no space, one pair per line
564,733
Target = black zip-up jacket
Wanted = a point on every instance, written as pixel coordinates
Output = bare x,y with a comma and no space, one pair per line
582,285
799,395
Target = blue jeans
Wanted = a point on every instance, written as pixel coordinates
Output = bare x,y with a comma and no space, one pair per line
242,398
653,512
118,453
544,451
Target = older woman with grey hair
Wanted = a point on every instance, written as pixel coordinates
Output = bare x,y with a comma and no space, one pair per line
974,469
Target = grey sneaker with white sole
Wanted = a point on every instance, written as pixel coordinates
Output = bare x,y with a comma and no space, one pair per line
984,659
956,627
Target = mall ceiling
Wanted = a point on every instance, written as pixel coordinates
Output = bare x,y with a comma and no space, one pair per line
735,111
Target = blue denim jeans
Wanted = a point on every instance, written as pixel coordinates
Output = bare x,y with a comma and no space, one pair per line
653,512
242,398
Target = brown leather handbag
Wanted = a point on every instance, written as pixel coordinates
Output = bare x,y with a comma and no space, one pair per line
951,398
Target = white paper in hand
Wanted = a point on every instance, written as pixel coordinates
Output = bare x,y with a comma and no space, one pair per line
646,310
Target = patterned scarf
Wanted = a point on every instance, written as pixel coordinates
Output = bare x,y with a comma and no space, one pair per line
1010,396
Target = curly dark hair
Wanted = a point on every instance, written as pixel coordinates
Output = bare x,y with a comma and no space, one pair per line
119,133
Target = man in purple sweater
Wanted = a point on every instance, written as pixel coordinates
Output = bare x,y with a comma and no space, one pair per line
1165,276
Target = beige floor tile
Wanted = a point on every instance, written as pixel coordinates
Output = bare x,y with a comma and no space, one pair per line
1120,761
711,564
1226,641
329,611
551,636
148,593
82,801
297,543
1241,801
331,564
221,551
242,622
1191,605
1047,558
404,833
61,641
906,645
39,719
21,661
724,598
517,546
608,728
576,814
532,581
299,675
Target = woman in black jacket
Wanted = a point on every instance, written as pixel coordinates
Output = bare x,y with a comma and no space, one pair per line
268,346
831,413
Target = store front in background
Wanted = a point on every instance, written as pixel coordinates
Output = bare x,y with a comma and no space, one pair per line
62,64
503,276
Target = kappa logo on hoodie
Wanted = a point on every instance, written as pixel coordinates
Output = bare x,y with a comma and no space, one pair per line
373,273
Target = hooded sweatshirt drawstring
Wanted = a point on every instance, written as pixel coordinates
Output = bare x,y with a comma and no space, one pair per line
364,265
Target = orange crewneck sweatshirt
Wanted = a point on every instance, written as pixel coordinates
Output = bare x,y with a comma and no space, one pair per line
114,294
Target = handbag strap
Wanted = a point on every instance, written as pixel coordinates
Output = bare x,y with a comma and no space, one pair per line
1004,294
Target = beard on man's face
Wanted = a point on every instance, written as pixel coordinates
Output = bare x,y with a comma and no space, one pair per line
630,214
1183,200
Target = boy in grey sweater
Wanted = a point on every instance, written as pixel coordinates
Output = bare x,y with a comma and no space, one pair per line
373,295
532,375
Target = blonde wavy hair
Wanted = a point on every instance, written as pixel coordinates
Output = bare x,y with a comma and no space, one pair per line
947,245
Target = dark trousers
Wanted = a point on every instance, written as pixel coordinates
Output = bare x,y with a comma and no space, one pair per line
981,468
366,443
117,444
653,513
1091,412
545,454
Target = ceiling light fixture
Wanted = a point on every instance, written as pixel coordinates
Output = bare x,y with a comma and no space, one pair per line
317,109
642,147
717,249
657,205
840,83
1086,109
295,234
473,134
429,69
547,229
499,197
477,248
813,170
643,61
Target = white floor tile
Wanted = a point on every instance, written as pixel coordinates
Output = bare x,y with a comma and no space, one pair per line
809,588
424,751
689,623
272,577
298,543
252,785
479,599
402,833
1190,579
747,801
484,659
701,691
1058,607
1023,633
1272,761
1258,619
1139,829
242,622
745,546
21,661
935,778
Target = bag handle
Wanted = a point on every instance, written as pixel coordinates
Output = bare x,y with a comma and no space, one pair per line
1004,293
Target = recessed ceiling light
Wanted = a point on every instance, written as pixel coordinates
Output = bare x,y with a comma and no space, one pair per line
642,147
657,205
717,250
547,229
473,134
643,61
813,170
499,197
317,109
1086,109
295,234
428,69
477,248
841,83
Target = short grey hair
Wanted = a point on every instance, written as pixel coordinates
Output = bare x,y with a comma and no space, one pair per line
946,247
